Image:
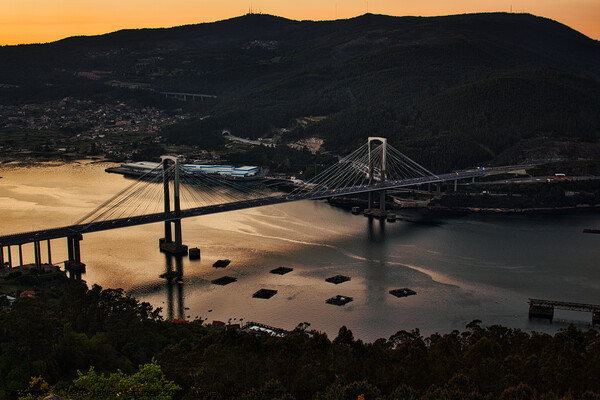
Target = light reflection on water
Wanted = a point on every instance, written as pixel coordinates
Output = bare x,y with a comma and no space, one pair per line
466,267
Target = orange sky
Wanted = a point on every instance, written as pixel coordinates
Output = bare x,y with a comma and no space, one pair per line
38,21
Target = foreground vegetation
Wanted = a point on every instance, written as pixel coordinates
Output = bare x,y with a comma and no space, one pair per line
94,343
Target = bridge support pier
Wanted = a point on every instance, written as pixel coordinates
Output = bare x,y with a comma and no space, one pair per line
382,201
49,253
595,317
74,265
167,244
8,260
37,254
174,248
9,257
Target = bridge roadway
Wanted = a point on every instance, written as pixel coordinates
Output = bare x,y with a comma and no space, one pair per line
65,231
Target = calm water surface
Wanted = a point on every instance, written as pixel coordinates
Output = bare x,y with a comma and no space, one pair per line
462,267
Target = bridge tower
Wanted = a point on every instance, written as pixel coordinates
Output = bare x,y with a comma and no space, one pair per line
73,265
167,244
372,171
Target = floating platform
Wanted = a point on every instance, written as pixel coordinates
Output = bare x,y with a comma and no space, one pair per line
391,217
194,253
541,311
225,280
339,300
404,292
281,270
265,294
337,279
221,263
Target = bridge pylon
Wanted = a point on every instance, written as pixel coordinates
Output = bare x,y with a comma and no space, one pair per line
172,219
371,210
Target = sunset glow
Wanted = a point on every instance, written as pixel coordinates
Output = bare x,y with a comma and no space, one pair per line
39,21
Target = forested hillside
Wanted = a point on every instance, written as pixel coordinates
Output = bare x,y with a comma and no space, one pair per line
451,91
53,339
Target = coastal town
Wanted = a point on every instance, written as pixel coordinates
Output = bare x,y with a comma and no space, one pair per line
81,127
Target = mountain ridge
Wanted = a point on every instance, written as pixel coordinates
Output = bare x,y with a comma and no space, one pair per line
267,72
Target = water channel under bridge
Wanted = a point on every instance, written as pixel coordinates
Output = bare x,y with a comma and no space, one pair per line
369,169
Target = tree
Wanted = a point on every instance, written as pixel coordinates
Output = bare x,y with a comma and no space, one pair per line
352,391
521,392
149,383
345,337
38,389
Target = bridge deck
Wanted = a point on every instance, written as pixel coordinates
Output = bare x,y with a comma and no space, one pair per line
55,233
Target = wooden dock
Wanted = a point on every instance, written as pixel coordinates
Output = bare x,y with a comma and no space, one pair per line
539,308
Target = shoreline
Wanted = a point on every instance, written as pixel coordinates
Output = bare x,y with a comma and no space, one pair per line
496,210
58,160
13,164
348,204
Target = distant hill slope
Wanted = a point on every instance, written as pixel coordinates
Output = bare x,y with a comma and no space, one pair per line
477,122
431,84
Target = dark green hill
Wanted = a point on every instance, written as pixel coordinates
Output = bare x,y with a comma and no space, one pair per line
476,122
434,85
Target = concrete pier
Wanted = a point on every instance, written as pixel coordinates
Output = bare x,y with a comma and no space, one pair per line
172,247
541,311
375,212
545,309
8,261
49,252
167,244
37,254
74,265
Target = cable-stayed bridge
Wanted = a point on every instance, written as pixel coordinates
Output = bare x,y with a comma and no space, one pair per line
170,192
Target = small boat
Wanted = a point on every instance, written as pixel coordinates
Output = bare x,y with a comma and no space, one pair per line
221,263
